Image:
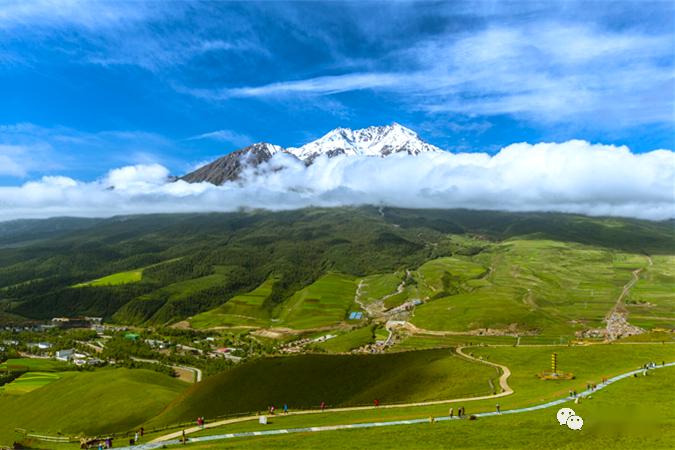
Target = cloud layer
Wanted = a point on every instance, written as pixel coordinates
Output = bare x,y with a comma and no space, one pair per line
573,176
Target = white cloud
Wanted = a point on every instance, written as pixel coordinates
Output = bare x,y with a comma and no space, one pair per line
224,135
545,71
572,176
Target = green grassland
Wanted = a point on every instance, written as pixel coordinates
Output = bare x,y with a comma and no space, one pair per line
29,382
339,380
92,402
589,364
375,287
447,275
350,340
547,287
633,413
115,279
324,303
241,310
33,365
651,302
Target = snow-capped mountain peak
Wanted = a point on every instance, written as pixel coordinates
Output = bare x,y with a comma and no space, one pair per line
371,141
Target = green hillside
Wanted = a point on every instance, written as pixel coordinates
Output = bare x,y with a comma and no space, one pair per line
627,415
339,380
532,272
89,402
131,276
247,309
323,303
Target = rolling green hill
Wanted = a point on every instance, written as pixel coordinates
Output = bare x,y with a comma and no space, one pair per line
89,402
339,380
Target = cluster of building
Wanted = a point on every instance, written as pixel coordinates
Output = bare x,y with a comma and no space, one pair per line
77,358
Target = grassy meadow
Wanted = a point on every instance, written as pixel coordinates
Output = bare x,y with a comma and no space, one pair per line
632,413
303,382
131,276
103,401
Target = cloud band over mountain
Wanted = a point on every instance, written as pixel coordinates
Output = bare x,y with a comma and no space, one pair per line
573,176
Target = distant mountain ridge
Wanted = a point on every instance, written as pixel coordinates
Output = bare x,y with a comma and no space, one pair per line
375,141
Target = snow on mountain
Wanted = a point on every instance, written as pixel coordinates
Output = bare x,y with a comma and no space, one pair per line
371,141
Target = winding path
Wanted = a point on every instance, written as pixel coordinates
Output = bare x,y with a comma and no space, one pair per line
175,440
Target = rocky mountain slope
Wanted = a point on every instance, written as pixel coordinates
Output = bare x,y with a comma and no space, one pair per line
378,141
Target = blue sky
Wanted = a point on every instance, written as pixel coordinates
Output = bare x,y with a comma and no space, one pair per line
90,86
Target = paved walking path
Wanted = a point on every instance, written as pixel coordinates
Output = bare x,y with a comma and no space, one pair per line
217,437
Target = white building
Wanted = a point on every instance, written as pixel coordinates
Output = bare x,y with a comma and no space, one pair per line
65,355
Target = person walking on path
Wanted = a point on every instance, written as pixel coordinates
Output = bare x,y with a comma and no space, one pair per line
272,410
184,439
376,402
285,408
142,431
136,438
451,412
498,409
323,406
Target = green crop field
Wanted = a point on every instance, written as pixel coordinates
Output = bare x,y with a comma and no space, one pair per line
339,380
323,303
102,401
115,279
245,309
